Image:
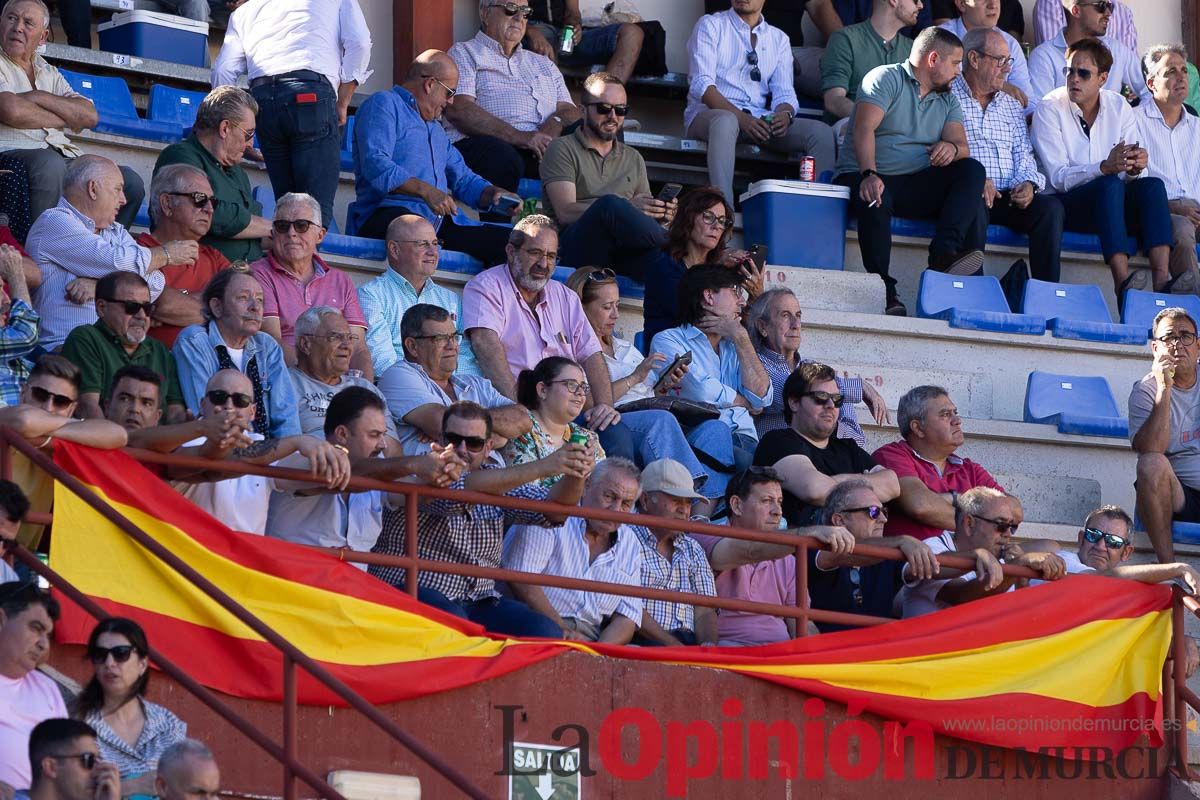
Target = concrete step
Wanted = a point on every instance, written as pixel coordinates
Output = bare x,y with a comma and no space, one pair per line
830,289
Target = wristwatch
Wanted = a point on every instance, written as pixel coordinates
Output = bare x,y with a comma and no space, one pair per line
557,119
866,173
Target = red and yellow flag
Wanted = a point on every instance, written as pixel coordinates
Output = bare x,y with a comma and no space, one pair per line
1073,664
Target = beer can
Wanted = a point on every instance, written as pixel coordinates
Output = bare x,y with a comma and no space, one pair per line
579,437
568,40
808,169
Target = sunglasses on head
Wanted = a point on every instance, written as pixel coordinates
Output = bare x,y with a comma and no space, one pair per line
874,512
131,307
199,199
87,759
603,109
512,9
281,226
41,395
120,653
824,398
602,275
218,397
474,443
1111,540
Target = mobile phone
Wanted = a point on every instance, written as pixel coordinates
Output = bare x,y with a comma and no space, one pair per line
506,203
669,192
682,358
758,254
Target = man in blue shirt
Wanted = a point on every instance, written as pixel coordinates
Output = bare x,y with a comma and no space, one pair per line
405,164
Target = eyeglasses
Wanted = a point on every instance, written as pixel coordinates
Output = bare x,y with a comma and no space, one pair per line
120,653
199,199
41,395
87,759
337,338
856,591
710,219
825,398
281,226
247,134
1111,540
752,60
512,9
575,387
442,339
602,275
423,244
1001,527
541,255
1084,73
1001,61
1103,6
218,397
604,109
449,92
1172,339
474,443
131,307
874,512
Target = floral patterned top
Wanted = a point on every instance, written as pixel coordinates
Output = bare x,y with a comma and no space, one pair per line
537,444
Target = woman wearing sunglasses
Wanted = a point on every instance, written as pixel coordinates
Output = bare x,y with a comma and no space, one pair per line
132,732
554,392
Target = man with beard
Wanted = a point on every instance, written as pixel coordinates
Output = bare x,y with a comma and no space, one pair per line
118,338
597,189
906,154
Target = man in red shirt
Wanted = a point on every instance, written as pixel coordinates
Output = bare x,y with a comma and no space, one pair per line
931,473
181,208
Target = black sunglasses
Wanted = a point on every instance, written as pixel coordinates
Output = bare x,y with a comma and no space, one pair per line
301,225
602,275
1084,73
1111,540
823,398
87,759
131,307
1103,6
512,9
41,395
752,60
474,443
603,109
218,397
874,512
1002,527
199,199
120,653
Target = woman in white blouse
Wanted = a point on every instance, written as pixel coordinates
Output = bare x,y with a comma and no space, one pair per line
1086,138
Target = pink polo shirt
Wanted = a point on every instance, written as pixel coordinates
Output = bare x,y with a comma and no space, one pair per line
765,582
491,300
285,297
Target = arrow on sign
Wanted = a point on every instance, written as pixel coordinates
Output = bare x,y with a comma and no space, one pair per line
544,789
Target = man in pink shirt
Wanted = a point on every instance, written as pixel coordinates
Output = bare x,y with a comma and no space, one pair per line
758,571
295,279
515,315
27,697
931,473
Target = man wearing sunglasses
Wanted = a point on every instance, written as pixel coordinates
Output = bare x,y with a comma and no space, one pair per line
1087,18
1049,16
64,759
119,338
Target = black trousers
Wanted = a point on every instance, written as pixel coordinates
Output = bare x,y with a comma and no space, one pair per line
484,242
1042,222
497,161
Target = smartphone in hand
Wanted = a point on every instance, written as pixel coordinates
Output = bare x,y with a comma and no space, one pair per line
682,358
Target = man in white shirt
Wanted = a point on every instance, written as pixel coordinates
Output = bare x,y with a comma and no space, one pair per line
1048,59
741,88
304,59
1048,19
986,14
1172,140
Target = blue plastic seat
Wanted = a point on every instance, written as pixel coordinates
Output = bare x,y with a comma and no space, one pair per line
1185,532
996,234
639,341
179,106
114,106
1077,311
530,187
348,146
266,197
972,302
1079,404
1142,307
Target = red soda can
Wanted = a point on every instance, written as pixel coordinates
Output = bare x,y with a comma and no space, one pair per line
808,169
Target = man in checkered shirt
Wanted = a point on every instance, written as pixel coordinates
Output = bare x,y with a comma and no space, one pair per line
450,530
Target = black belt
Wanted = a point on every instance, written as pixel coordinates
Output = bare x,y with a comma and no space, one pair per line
298,75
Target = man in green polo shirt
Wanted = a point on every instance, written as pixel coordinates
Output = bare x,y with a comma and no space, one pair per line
857,49
906,154
118,338
224,129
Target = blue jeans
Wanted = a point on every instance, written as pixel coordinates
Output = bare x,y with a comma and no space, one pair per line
495,614
299,135
1126,216
645,436
725,450
611,233
595,47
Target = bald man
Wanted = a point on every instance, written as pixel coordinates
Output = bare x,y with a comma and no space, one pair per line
404,164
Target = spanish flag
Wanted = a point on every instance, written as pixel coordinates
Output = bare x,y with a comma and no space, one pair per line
1073,664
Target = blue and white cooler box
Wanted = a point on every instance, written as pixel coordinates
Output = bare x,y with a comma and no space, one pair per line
149,34
802,224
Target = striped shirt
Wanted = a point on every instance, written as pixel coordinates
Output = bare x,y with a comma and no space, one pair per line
1174,152
564,552
161,730
64,244
384,301
18,338
998,138
686,571
1018,76
1049,19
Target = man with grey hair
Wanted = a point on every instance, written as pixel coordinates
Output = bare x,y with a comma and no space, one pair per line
187,770
224,129
81,238
1171,137
515,316
294,278
925,459
999,139
39,105
984,16
324,348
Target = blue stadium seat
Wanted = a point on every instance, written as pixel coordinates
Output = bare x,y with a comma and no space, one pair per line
266,197
143,214
996,235
179,106
975,302
114,106
348,146
530,187
1185,532
628,287
1079,404
639,341
1141,307
1077,311
452,261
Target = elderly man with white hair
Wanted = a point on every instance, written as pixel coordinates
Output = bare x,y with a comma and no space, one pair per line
294,278
187,770
81,238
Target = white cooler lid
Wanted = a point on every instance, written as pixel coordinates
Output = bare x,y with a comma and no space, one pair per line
806,188
155,18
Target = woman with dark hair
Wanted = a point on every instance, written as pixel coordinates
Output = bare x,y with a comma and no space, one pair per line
554,392
698,235
132,732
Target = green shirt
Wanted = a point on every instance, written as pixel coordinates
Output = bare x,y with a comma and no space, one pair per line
854,51
910,123
99,353
234,204
569,158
